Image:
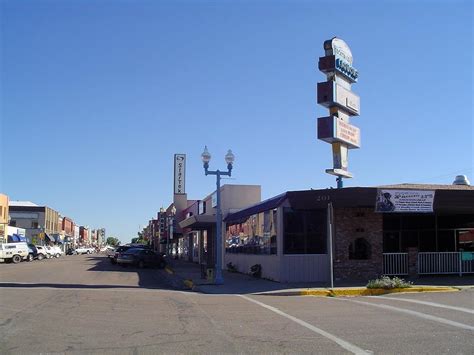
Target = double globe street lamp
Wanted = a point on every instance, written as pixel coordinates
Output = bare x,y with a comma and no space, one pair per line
229,159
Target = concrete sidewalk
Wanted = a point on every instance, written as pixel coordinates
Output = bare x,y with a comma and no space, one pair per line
236,283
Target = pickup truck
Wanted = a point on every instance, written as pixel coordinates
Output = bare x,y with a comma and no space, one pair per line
85,250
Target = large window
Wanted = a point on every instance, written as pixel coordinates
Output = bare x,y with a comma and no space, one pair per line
427,232
256,235
304,231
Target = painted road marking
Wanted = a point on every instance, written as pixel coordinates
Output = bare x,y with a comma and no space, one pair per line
344,344
432,304
413,313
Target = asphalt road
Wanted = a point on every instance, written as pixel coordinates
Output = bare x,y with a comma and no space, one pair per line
85,305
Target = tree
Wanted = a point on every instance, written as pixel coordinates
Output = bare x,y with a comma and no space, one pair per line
113,241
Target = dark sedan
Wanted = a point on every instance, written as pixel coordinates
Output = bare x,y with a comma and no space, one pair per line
141,258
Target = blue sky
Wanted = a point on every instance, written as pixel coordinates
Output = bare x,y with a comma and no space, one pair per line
97,96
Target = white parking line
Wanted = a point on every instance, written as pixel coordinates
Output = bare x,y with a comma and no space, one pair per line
413,313
432,304
344,344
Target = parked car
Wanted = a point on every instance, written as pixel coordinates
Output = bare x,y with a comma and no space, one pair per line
42,252
14,252
57,251
71,251
141,257
32,252
50,251
85,250
113,256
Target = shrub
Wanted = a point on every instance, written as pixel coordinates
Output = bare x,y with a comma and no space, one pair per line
231,267
388,283
256,270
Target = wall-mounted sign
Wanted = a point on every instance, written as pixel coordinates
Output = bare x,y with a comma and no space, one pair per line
333,129
179,173
332,94
417,201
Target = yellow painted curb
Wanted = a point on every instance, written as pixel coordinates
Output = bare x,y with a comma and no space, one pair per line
188,283
351,292
169,270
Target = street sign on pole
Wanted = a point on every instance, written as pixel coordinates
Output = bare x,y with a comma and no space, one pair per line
336,94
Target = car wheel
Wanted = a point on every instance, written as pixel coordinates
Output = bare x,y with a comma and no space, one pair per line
141,264
57,255
88,252
16,259
40,256
30,257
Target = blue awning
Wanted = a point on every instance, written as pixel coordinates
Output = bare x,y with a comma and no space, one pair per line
15,238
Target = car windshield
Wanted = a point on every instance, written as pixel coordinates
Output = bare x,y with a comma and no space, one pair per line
134,251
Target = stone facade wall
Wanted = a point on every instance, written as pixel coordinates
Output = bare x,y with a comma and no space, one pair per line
351,224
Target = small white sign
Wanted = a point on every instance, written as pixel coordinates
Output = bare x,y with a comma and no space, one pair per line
179,173
419,201
347,99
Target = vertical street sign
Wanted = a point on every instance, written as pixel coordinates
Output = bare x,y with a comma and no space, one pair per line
335,94
179,174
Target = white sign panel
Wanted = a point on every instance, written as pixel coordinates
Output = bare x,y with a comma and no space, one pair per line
417,201
214,199
347,99
347,133
179,173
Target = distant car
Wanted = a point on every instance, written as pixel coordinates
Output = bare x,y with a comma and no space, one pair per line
71,251
33,253
141,257
57,251
122,249
14,252
85,250
42,252
52,251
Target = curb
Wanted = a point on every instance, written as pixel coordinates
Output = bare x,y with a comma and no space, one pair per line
352,292
187,283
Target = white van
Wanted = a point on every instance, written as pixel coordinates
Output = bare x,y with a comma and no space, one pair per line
14,252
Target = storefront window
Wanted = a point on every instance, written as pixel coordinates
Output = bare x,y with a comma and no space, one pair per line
304,231
256,235
465,240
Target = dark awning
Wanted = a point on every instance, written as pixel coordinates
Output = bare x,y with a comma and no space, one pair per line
202,221
346,197
266,205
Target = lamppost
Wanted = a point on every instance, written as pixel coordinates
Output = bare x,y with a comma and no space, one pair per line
229,159
170,229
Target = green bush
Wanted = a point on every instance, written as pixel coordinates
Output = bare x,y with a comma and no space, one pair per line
388,283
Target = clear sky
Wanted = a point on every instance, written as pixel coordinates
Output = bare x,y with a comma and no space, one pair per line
97,96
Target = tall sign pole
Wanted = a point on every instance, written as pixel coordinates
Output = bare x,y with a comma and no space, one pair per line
336,95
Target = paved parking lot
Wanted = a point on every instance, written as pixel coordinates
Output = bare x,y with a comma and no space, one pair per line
83,304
